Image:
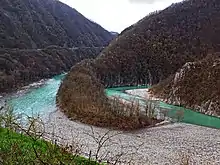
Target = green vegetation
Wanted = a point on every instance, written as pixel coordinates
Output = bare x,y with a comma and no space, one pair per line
21,149
26,145
21,144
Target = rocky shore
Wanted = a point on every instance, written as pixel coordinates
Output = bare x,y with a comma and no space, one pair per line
169,144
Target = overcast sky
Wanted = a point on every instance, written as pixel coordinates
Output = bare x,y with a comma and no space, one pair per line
116,15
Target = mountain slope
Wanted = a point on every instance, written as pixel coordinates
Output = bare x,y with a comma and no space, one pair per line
36,37
114,33
158,45
21,67
196,85
150,50
40,23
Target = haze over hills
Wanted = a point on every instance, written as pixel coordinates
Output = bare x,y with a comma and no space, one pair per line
149,51
41,23
115,33
29,28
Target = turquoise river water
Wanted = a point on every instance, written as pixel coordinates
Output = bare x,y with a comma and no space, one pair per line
42,101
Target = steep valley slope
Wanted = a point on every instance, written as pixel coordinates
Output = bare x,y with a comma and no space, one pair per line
20,67
196,85
41,23
41,38
147,52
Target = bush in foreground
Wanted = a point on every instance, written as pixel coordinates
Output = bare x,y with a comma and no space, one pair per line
25,145
22,149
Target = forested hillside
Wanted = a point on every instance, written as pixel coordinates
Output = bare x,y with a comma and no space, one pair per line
42,38
20,67
161,43
196,85
41,23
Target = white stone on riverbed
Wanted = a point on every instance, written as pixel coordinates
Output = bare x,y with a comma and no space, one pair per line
144,93
159,145
139,92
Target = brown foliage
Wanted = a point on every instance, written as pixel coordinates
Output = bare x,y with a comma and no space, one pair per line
82,98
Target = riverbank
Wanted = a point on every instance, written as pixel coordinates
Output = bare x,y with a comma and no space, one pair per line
144,93
16,93
23,90
160,145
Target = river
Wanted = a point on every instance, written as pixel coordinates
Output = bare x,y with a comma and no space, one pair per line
156,145
42,101
37,101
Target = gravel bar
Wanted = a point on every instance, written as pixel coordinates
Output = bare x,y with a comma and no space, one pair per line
162,145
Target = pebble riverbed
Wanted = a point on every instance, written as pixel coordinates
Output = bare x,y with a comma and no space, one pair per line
163,145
